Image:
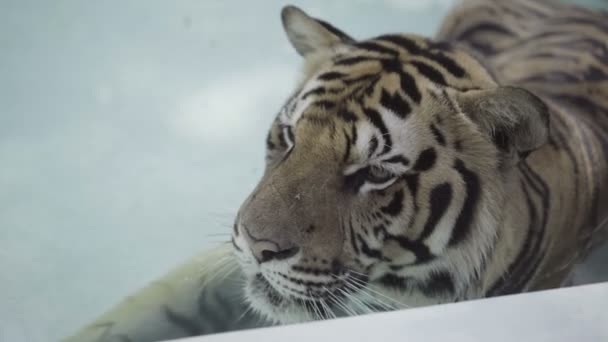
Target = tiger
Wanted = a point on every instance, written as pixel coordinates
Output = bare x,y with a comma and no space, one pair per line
405,171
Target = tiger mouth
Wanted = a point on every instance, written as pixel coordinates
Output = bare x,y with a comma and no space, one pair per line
328,302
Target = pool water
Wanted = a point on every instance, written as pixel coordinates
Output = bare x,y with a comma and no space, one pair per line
130,133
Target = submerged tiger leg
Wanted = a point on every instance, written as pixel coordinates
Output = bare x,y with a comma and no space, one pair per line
201,296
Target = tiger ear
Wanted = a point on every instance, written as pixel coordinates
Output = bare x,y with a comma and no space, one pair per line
515,119
308,34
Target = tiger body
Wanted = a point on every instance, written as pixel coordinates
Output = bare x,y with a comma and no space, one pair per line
406,172
560,53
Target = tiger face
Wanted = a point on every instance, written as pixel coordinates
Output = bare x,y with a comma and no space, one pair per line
384,177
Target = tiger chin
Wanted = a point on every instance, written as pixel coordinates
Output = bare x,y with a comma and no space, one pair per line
401,172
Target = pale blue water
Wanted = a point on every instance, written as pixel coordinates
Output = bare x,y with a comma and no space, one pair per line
129,134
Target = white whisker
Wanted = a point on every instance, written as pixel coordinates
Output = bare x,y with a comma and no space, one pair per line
368,287
248,310
317,310
327,308
363,291
340,303
352,298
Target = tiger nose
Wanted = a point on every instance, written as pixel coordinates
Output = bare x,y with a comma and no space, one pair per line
265,251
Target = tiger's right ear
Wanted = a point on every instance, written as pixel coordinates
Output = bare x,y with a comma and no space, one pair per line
308,35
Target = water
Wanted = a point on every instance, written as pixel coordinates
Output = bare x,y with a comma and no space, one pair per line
129,135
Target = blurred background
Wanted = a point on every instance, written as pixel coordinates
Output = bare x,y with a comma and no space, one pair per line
130,132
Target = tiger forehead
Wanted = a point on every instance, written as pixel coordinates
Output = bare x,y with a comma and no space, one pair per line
416,58
394,62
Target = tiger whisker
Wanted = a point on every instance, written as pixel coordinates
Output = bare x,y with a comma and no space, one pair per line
248,310
328,309
363,288
365,308
340,303
318,312
570,261
353,299
356,273
369,288
376,300
219,234
311,315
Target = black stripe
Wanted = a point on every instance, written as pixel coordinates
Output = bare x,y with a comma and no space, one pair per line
329,27
522,269
401,41
326,104
310,270
551,76
540,187
371,148
376,120
429,72
309,283
395,205
516,273
440,199
353,134
269,144
379,231
352,236
438,57
439,284
483,26
426,160
448,63
375,47
347,115
394,281
364,175
360,79
395,103
581,102
281,137
354,60
348,147
398,159
407,82
235,246
370,252
593,73
462,227
408,85
315,91
449,102
438,135
320,120
392,65
331,75
422,252
412,184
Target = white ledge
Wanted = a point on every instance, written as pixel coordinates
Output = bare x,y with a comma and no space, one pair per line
569,314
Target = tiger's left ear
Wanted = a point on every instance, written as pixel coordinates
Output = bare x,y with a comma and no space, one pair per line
308,35
514,118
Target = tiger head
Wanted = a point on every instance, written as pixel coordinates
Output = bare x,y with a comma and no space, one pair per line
385,176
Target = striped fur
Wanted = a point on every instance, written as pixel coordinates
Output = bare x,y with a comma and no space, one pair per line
405,171
428,172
